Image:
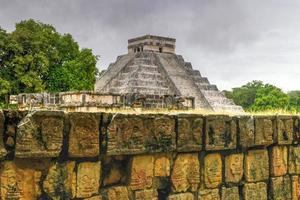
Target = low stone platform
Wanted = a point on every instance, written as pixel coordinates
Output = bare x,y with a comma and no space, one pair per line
92,156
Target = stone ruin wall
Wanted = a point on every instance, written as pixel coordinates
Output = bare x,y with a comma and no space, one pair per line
92,156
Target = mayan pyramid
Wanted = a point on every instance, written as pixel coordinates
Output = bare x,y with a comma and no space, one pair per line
151,67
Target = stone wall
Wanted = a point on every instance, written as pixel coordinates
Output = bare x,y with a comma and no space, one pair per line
92,156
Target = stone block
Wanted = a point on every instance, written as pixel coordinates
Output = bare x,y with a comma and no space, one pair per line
279,160
21,179
264,130
146,195
230,193
60,181
162,166
115,170
181,196
295,188
136,134
118,193
142,172
281,188
220,132
209,194
255,191
190,131
212,170
285,130
186,173
246,127
296,135
294,160
98,197
256,166
88,179
40,134
234,167
3,151
84,135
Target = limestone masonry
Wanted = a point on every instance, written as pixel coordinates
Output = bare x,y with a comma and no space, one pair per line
105,156
151,68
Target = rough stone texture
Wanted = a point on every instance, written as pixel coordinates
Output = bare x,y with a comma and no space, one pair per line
190,131
281,188
146,195
118,193
132,134
3,151
142,172
60,181
230,193
220,132
264,130
247,129
209,194
186,173
88,179
162,166
257,165
40,134
84,135
285,130
295,188
212,170
255,191
234,169
294,160
279,160
20,180
98,197
182,196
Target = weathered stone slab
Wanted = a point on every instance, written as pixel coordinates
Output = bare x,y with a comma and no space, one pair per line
279,160
294,160
88,179
98,197
84,135
281,188
146,195
190,131
162,166
209,194
296,135
264,130
20,179
234,167
230,193
295,188
285,130
3,151
60,181
255,191
142,172
135,134
212,170
181,196
257,165
186,173
118,193
40,134
220,132
247,130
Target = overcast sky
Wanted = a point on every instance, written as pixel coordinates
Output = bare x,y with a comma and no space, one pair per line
230,41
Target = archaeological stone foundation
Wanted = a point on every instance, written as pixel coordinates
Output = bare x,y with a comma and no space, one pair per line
92,156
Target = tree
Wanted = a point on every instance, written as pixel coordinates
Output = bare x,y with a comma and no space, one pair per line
245,95
270,97
294,99
36,58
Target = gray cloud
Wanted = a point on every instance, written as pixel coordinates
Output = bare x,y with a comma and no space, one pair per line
231,42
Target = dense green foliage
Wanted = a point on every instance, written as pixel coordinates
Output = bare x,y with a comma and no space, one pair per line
35,58
257,96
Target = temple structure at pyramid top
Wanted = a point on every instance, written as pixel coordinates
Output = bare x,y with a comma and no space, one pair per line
151,69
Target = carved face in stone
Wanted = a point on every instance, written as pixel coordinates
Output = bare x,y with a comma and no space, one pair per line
213,170
197,130
236,166
52,132
184,129
163,127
